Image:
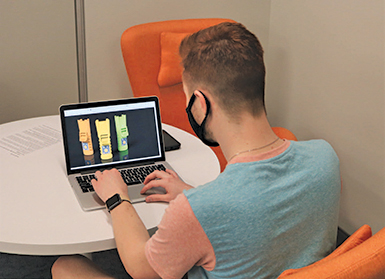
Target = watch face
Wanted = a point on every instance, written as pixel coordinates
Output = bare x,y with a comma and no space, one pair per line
113,201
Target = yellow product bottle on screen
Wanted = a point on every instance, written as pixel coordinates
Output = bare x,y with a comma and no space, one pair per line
85,136
103,129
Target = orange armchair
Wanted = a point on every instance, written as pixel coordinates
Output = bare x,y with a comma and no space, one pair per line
360,256
151,56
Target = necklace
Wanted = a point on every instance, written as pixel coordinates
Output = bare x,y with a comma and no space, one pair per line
254,149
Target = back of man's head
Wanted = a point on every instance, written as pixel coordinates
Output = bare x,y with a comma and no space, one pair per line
227,60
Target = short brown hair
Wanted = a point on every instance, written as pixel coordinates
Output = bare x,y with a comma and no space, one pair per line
226,59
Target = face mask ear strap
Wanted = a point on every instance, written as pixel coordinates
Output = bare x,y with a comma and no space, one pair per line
208,106
191,102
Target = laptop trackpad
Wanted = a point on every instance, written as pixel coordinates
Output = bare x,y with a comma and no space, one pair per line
156,190
135,196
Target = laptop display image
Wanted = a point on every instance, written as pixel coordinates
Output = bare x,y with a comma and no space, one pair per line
124,134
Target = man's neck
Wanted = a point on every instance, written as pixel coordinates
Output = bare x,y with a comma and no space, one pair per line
250,135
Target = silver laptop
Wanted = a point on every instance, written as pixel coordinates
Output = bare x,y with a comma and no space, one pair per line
124,134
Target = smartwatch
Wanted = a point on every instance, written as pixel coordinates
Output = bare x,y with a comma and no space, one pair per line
114,201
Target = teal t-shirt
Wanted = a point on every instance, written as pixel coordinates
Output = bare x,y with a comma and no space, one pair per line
267,216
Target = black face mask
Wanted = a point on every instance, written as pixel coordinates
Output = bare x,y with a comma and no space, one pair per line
199,130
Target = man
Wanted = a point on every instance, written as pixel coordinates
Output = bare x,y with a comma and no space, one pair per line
274,207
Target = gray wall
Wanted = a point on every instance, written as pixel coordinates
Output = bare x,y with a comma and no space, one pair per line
38,57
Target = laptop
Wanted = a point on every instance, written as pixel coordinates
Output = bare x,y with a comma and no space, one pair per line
125,134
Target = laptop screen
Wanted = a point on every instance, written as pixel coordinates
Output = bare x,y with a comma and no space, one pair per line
111,133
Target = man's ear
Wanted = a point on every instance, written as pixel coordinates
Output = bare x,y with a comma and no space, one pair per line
202,101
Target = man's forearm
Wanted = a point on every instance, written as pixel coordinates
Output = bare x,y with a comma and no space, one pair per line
131,236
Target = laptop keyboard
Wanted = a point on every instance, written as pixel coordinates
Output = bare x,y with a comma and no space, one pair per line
130,176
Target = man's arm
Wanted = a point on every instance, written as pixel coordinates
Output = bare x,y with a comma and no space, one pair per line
130,233
131,236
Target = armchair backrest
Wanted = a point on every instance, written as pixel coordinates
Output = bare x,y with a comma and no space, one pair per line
151,56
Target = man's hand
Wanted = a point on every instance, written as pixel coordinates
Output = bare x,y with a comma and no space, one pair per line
169,180
109,183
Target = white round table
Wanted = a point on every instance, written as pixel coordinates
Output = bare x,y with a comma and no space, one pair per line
39,213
